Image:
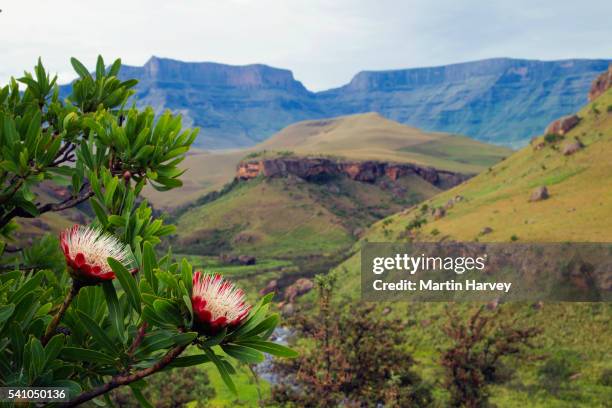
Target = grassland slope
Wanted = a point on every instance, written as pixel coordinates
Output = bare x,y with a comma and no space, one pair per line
495,206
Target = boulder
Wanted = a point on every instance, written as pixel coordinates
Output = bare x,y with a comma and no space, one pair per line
539,194
562,126
357,232
247,260
601,84
298,288
288,309
493,304
571,148
230,259
272,286
439,213
486,230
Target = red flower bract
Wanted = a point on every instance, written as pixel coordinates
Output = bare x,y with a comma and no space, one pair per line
86,251
217,303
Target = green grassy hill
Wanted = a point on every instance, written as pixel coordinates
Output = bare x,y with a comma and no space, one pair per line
291,217
369,136
366,136
576,337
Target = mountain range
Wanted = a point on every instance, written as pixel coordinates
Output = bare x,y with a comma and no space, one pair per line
502,100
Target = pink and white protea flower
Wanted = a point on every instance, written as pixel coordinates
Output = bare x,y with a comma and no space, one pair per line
217,303
87,249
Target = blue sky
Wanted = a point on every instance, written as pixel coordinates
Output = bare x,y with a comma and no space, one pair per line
323,42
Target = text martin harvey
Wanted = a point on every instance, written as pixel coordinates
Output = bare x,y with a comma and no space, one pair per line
450,285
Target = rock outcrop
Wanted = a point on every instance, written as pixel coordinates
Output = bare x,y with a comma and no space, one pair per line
539,194
601,84
309,168
563,125
298,288
571,148
230,259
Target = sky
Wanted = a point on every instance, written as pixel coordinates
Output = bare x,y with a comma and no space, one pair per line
324,42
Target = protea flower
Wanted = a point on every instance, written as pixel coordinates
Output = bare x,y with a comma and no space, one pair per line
217,303
87,250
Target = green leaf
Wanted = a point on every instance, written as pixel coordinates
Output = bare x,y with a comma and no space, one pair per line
116,220
189,361
37,357
6,312
187,302
111,186
149,262
216,339
269,323
255,317
225,376
184,338
150,316
29,286
53,348
80,68
100,69
100,213
186,274
80,355
128,283
140,398
114,310
154,341
243,353
269,347
98,334
114,69
168,312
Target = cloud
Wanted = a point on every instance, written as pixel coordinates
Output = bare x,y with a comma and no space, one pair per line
324,43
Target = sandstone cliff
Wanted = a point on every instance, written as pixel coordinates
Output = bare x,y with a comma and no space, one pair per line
312,168
601,84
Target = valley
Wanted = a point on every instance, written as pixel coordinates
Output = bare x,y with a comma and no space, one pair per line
302,199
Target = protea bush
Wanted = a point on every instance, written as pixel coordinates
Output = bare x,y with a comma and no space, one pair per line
99,309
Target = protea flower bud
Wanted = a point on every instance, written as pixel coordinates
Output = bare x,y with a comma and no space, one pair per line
217,303
87,250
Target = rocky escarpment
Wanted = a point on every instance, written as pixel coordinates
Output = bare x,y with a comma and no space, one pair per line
364,171
601,84
498,100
